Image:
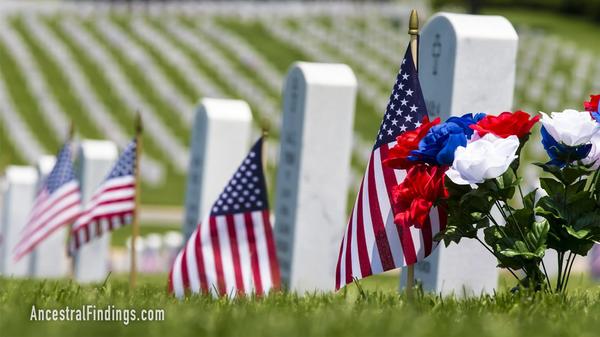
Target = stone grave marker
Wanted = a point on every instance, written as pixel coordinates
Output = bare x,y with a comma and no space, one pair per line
18,195
220,137
466,64
314,168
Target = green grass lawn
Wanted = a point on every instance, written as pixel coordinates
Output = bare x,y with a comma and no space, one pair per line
376,310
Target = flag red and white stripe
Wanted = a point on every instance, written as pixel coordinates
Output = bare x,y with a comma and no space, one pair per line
57,203
232,251
111,206
372,242
227,255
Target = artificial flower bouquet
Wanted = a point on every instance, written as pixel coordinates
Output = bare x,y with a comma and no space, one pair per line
469,167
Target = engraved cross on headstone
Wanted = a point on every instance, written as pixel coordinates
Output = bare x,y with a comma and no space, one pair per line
436,52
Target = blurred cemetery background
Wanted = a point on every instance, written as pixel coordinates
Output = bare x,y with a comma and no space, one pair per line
96,63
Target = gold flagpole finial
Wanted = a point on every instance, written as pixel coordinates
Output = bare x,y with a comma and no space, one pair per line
413,23
265,128
413,31
71,130
139,126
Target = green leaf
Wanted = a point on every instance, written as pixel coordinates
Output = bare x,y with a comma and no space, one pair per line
483,223
507,183
476,201
572,173
538,234
554,170
588,220
547,208
529,199
579,234
520,250
456,190
553,187
579,186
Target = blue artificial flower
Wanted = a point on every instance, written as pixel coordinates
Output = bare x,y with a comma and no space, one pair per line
561,154
438,146
465,121
596,115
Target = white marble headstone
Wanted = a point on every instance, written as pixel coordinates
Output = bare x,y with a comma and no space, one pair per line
466,64
18,196
96,158
313,173
49,258
220,140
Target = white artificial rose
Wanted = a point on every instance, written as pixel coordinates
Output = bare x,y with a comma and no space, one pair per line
486,158
570,127
594,156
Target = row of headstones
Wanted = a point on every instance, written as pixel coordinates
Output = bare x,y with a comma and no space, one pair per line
319,103
310,212
316,137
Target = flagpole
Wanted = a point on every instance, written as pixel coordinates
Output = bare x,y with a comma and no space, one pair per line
135,227
265,134
70,136
264,159
413,31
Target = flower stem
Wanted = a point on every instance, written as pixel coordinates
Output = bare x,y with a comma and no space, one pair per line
523,236
569,270
547,277
505,236
559,278
496,256
592,189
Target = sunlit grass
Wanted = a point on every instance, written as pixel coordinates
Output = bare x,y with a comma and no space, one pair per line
376,310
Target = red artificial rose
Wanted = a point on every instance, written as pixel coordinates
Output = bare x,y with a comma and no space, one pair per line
506,124
592,105
422,188
405,143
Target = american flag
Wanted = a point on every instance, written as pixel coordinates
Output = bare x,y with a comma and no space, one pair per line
372,242
113,203
57,203
232,251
